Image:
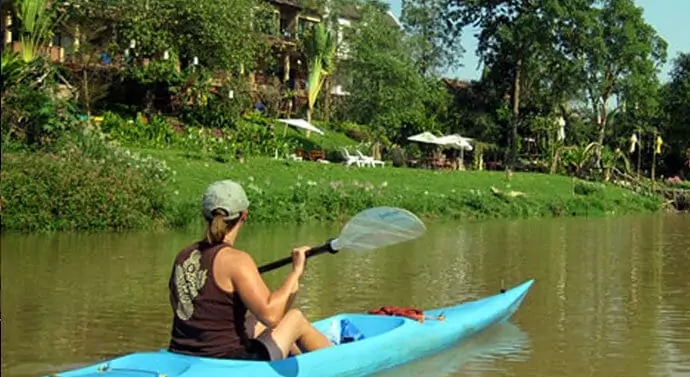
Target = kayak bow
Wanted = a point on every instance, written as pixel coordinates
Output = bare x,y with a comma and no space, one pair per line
388,342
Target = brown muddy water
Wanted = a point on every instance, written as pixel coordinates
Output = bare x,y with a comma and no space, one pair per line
611,296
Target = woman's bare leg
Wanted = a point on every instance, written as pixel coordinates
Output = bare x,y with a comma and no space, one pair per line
254,328
294,328
312,339
295,350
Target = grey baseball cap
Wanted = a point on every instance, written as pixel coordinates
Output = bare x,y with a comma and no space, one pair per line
227,195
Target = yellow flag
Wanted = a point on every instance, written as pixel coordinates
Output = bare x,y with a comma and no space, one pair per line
659,143
633,142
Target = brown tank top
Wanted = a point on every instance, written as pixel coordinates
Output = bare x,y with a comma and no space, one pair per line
207,320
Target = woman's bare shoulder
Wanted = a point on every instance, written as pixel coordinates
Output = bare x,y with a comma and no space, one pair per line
233,258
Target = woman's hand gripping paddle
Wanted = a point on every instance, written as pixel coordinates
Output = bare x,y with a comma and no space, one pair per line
370,229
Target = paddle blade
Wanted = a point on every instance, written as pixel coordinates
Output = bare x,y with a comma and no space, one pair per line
379,227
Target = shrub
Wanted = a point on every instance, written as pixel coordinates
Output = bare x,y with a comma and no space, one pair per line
251,135
585,188
33,118
83,183
153,133
247,137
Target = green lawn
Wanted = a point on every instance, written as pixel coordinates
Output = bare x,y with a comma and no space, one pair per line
281,190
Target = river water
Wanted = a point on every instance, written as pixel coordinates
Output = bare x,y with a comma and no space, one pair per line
611,296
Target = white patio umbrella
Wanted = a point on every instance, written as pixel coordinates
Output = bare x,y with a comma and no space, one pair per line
300,123
456,141
425,137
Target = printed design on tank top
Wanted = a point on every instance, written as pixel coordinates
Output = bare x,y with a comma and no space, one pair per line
189,280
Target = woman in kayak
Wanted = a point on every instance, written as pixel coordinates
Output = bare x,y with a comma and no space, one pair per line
213,286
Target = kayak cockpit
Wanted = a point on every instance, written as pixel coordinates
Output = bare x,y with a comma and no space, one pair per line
345,328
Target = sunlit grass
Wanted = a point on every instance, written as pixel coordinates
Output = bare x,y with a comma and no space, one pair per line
305,191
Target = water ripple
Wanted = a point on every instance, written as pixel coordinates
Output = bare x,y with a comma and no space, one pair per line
610,299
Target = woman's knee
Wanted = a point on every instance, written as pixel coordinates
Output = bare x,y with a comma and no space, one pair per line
288,331
295,317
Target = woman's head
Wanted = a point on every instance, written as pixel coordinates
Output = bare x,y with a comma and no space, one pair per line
225,206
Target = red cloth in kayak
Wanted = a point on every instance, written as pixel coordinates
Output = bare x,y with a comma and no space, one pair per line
412,313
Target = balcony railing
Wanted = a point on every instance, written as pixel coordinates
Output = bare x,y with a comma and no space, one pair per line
298,85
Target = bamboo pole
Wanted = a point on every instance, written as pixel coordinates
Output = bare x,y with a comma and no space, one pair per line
654,162
639,153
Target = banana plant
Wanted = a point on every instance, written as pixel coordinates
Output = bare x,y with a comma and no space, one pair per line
37,21
609,160
12,70
319,48
575,157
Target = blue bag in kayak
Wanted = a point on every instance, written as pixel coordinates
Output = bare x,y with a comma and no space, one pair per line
349,333
343,332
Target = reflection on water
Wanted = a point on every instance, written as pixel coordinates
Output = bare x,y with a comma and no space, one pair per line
610,298
502,343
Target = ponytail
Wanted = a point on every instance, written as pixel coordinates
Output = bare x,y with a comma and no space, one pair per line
218,227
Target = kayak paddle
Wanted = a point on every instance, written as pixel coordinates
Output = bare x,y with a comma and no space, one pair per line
370,229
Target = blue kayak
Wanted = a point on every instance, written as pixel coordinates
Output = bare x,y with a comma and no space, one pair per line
387,342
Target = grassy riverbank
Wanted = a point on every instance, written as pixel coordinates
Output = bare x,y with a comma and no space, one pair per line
46,192
307,191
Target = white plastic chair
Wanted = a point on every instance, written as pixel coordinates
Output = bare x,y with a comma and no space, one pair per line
349,159
369,160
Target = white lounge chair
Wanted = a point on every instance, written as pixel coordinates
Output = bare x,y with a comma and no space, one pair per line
369,160
350,159
294,157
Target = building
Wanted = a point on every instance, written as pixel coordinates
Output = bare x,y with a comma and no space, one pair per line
289,21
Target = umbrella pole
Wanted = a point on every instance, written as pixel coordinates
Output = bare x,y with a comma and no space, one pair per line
275,155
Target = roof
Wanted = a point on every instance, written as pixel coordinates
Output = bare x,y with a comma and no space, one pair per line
456,84
352,12
291,3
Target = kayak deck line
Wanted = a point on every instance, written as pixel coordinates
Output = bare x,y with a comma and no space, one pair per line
386,342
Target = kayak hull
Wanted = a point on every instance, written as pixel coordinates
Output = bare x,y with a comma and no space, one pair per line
388,342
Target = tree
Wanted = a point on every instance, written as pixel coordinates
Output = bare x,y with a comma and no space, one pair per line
219,32
515,36
91,30
215,32
618,55
676,106
388,93
434,42
158,37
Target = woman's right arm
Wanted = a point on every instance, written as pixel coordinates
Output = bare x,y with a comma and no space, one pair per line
268,307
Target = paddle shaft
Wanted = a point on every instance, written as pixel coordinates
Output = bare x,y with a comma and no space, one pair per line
325,248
